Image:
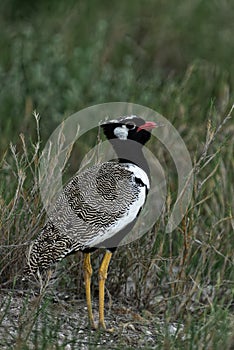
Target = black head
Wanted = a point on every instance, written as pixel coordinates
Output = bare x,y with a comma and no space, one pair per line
128,128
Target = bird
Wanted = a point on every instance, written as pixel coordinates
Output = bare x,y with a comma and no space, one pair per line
97,208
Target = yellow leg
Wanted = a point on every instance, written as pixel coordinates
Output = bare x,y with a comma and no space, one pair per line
102,278
87,278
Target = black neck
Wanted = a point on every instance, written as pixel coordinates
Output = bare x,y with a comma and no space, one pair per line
130,152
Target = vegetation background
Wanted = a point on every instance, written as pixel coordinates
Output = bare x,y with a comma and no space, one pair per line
175,57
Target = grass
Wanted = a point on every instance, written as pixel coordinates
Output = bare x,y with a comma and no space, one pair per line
185,280
181,290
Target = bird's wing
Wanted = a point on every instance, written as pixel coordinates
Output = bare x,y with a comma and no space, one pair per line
94,206
97,203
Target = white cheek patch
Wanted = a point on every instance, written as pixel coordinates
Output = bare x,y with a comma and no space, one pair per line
121,132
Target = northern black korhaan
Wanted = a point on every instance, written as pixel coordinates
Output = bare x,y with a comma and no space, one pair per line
98,207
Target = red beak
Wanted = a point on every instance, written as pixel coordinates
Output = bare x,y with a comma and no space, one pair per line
147,126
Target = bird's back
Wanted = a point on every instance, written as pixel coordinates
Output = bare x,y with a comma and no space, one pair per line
94,206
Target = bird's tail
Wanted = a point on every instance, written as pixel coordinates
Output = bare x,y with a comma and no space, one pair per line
49,248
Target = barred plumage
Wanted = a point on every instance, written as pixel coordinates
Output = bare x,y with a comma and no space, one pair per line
91,205
98,205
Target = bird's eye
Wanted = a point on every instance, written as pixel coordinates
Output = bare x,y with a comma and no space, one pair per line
130,125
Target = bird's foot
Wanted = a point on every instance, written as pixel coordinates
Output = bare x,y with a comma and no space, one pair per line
93,326
102,327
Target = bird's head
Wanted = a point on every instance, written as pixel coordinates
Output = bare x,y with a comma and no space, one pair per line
129,128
